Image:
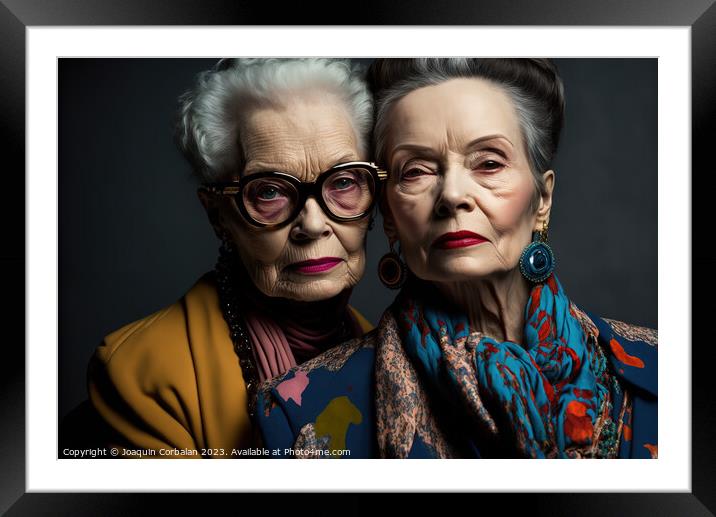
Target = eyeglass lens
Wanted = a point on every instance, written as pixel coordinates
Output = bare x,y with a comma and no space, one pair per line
273,200
270,200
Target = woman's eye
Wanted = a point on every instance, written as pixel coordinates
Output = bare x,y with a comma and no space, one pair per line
413,173
268,193
490,165
343,183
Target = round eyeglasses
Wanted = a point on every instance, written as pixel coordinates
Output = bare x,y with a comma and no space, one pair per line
345,192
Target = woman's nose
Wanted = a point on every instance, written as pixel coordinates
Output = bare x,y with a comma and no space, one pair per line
311,223
454,193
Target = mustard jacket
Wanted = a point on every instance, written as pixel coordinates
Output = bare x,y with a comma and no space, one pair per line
170,384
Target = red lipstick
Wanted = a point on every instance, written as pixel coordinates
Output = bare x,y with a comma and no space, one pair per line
461,239
315,266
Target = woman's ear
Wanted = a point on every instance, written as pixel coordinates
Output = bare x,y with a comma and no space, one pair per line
545,202
388,221
211,206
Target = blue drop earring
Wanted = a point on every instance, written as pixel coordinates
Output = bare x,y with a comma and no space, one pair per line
537,260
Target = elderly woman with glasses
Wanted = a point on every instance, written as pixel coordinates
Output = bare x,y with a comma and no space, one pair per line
279,146
482,354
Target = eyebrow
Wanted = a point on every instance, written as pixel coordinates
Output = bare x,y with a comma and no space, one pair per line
345,159
430,150
413,147
497,136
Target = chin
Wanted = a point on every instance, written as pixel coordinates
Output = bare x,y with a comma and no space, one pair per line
315,290
459,269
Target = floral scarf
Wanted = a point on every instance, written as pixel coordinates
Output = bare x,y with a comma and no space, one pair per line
545,395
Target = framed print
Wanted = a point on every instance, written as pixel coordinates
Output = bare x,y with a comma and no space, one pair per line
82,83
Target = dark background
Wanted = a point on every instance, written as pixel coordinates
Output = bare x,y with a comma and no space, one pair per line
133,236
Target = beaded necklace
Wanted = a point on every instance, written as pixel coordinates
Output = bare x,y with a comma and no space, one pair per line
229,303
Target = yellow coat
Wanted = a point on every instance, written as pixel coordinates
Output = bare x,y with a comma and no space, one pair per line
172,381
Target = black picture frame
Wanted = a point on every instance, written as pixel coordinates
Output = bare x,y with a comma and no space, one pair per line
17,15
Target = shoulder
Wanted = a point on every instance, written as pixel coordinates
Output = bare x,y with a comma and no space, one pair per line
167,348
632,355
595,325
162,332
138,335
630,349
173,377
633,332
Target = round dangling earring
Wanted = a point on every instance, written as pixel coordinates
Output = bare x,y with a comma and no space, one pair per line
392,271
537,260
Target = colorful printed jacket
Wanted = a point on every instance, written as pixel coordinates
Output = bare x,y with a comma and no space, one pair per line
364,399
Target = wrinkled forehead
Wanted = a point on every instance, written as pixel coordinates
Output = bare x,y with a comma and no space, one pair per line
302,136
452,114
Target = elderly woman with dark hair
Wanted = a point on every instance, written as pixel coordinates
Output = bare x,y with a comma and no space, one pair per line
279,147
482,354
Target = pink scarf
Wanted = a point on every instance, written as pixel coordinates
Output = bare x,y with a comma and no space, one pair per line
284,333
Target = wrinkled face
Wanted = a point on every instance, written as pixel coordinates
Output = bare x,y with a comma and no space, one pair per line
460,188
313,257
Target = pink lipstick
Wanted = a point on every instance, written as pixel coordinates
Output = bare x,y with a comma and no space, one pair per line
315,266
461,239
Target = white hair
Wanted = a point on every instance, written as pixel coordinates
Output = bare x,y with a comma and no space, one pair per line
207,131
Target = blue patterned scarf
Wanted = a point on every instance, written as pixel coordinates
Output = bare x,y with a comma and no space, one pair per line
542,396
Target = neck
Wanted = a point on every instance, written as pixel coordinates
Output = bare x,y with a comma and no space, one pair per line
494,305
317,320
316,315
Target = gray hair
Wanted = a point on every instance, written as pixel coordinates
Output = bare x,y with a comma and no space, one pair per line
533,85
207,131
